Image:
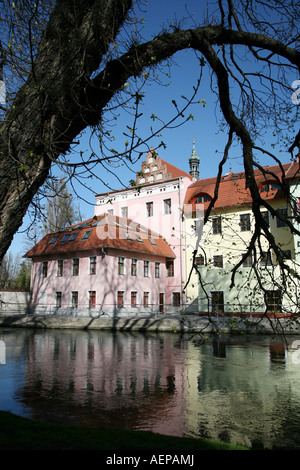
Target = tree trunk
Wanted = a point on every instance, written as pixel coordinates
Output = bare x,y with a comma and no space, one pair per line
46,115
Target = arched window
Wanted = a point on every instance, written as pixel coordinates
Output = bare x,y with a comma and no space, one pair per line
202,198
269,187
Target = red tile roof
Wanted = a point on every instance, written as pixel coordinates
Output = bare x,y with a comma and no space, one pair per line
232,189
174,171
104,231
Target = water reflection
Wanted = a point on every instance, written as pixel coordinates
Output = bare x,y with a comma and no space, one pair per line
240,390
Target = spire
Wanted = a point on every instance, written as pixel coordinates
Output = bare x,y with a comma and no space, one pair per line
194,163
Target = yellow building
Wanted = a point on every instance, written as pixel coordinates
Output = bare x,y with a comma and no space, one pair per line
212,251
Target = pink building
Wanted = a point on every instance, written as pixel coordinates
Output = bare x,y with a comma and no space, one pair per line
156,201
105,264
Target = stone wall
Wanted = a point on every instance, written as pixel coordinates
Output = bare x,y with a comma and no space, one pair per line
14,302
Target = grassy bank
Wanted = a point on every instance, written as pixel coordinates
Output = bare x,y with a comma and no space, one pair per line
17,433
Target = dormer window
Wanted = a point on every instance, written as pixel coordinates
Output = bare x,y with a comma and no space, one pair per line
73,237
139,239
202,198
269,187
64,238
53,240
86,235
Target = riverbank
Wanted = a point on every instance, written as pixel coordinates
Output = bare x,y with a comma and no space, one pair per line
172,323
18,433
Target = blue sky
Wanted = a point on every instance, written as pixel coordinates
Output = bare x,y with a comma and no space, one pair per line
204,129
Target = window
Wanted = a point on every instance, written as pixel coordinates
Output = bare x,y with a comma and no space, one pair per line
153,243
110,211
139,239
120,299
146,268
245,224
146,299
270,187
199,260
73,237
273,301
44,268
170,268
65,238
124,212
157,270
134,267
282,213
86,235
218,261
176,299
75,266
53,240
60,267
93,264
265,216
92,299
58,297
133,299
167,206
202,198
74,299
247,263
266,258
127,236
149,209
217,301
121,265
216,225
286,254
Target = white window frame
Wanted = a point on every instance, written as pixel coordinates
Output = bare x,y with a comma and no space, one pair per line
169,210
57,264
44,263
149,268
71,298
90,264
124,266
137,268
56,298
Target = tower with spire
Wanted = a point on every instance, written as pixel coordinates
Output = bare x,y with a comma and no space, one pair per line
194,163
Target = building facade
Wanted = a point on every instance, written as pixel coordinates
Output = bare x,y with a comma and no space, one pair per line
156,201
147,250
106,264
212,251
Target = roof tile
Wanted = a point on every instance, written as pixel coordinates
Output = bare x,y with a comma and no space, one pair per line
103,231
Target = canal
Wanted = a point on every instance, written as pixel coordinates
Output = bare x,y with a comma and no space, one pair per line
242,389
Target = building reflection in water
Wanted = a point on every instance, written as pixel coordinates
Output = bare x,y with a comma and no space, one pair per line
118,380
242,390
